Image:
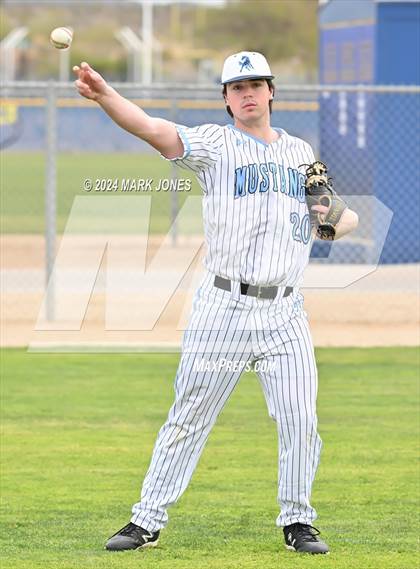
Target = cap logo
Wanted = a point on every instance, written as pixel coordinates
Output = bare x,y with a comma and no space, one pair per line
245,62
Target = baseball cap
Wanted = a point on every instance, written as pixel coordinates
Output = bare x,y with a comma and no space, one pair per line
245,65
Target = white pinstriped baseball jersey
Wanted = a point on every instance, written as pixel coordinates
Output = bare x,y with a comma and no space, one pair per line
256,221
257,231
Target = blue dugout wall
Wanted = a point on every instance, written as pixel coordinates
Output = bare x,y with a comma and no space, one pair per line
374,42
397,165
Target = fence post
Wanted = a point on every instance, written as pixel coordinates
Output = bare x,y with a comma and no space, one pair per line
50,195
174,176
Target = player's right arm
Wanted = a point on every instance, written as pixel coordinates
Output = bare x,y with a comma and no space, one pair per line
159,133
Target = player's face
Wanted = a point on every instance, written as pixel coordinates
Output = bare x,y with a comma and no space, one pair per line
248,99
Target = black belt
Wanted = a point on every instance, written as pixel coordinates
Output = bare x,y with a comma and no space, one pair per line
267,292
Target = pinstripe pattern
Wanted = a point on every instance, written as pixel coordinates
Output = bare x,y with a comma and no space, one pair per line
249,238
254,223
247,330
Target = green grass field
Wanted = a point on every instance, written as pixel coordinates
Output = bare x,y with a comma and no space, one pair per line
78,432
23,186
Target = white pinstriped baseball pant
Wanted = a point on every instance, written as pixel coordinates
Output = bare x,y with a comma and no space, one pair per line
240,328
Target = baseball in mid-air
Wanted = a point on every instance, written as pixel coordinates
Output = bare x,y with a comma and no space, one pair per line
61,38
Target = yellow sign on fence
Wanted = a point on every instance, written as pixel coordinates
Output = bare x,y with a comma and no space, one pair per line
8,113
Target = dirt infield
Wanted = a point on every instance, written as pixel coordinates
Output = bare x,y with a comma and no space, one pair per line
380,309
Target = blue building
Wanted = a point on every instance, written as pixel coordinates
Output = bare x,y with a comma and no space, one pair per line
372,138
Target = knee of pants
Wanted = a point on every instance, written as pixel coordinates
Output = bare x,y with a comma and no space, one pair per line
293,421
176,433
299,435
181,426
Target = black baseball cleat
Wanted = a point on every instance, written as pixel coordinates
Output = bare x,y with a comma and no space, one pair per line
303,538
132,537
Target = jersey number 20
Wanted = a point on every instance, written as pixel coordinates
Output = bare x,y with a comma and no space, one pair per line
301,227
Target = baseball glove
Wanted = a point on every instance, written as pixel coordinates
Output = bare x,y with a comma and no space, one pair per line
319,192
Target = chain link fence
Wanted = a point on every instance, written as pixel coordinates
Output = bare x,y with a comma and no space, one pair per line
53,140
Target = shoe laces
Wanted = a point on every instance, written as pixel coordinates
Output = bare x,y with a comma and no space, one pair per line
130,529
307,532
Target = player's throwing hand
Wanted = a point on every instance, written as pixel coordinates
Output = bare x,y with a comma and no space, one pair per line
89,82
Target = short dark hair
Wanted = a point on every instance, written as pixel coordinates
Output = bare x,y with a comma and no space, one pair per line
270,103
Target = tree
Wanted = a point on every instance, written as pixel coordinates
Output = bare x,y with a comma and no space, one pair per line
281,29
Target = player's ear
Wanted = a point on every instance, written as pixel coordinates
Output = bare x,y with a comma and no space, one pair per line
224,92
272,90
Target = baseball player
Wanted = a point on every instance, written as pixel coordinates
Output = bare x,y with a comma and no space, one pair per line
258,232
